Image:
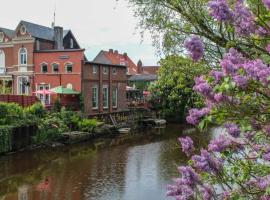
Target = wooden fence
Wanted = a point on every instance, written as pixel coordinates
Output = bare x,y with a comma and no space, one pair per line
22,100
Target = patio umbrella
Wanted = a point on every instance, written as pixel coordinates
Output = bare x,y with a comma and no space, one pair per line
63,90
44,92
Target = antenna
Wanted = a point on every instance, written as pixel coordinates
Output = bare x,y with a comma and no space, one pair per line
53,23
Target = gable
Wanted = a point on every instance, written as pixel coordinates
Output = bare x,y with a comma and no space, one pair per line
67,36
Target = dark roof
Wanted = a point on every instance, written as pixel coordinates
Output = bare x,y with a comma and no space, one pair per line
106,64
143,77
42,32
58,50
8,32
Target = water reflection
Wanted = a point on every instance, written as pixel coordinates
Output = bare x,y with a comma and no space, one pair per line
124,168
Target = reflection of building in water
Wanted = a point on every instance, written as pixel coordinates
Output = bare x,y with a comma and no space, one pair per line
23,192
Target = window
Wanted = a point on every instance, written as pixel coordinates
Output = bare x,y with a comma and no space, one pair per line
69,86
68,67
95,69
44,98
105,70
105,97
1,37
55,68
22,56
23,85
95,97
114,98
2,62
71,43
44,68
114,71
23,30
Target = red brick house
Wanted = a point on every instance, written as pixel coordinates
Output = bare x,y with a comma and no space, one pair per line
17,52
104,88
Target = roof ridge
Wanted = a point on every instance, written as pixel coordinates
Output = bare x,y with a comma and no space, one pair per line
23,21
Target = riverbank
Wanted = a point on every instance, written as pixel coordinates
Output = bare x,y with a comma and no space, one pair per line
129,166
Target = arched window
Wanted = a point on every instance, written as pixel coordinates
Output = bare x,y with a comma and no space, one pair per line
71,43
44,67
22,56
68,67
55,67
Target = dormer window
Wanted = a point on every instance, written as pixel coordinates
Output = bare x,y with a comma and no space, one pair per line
23,30
22,56
71,43
44,67
1,37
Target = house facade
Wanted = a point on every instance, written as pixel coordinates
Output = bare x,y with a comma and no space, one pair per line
104,88
18,49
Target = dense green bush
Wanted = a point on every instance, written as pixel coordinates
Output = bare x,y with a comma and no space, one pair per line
88,125
5,138
37,110
10,113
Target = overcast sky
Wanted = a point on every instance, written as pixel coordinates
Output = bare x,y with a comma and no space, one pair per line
97,24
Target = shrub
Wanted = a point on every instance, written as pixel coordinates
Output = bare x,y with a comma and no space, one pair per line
5,138
37,109
87,125
10,113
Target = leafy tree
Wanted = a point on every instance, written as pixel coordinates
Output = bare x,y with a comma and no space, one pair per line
171,21
172,92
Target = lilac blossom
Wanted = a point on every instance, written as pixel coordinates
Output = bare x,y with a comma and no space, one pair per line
180,192
240,81
262,31
205,162
244,21
219,97
268,48
196,114
187,145
232,129
266,4
219,10
195,47
206,192
217,75
219,144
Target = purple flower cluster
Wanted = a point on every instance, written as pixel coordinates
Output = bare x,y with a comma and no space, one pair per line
244,21
266,3
195,47
219,144
260,182
202,87
261,31
187,145
219,10
268,48
217,75
232,129
206,192
206,163
195,114
183,187
257,70
240,81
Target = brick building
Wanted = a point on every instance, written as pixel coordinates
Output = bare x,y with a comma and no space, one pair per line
18,49
104,87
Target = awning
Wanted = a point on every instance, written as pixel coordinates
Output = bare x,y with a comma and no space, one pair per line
62,90
44,92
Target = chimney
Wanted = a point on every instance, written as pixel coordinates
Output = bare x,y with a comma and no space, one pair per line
58,37
115,51
139,67
110,50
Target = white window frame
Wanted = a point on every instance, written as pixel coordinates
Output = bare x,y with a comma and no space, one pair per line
105,69
96,97
41,67
55,63
116,97
18,85
71,43
40,96
95,69
3,68
25,57
68,63
105,106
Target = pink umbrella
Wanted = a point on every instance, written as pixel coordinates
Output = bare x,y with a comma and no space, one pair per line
43,92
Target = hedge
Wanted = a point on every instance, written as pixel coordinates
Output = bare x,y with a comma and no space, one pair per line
5,138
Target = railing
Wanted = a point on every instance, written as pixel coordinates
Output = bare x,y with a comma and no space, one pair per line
22,100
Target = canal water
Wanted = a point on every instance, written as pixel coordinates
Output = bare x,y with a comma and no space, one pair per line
137,166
